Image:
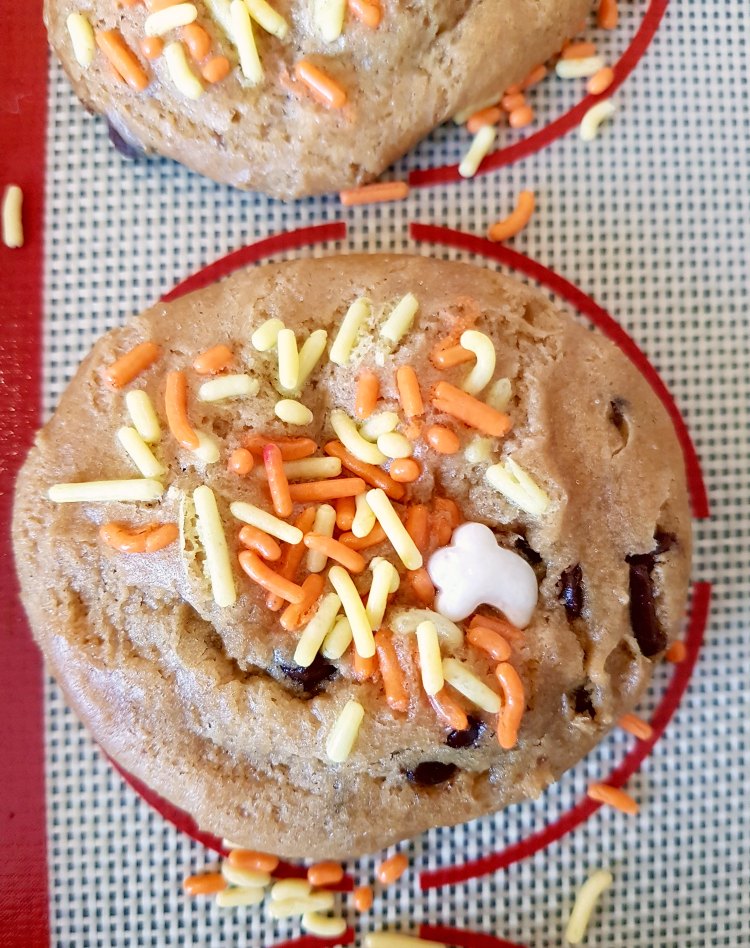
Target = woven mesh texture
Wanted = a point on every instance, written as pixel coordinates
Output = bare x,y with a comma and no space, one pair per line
650,220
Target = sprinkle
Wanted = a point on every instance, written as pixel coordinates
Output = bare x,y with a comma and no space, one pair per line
417,524
516,486
514,705
288,356
521,117
405,621
197,41
271,581
595,116
500,394
368,12
392,869
214,543
608,15
208,448
248,513
466,682
363,669
216,69
180,72
312,349
277,480
492,115
142,414
395,445
421,586
580,50
265,15
239,895
408,391
495,624
448,356
364,518
254,539
12,218
394,529
295,614
290,889
515,222
480,148
265,336
332,549
323,926
228,386
290,908
676,653
313,492
82,38
122,58
170,18
92,492
344,732
241,462
149,539
312,469
614,797
130,365
377,193
325,521
175,405
442,439
636,726
292,554
534,77
376,425
356,315
490,642
213,360
140,453
369,473
368,392
338,639
600,81
323,88
242,34
252,860
588,895
430,662
383,575
347,432
405,470
316,630
362,897
478,450
292,449
579,68
393,683
247,878
510,102
206,884
329,18
398,940
400,320
325,873
470,410
342,582
451,713
292,411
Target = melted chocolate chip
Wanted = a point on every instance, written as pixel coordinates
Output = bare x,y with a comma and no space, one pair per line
528,552
309,678
650,637
581,701
664,542
570,591
126,147
431,773
468,738
617,415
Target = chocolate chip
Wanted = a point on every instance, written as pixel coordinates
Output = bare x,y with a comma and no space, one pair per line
617,415
468,738
581,701
127,147
664,542
528,552
570,591
309,678
650,637
431,773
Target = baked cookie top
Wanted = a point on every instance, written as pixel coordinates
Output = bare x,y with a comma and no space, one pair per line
297,97
340,549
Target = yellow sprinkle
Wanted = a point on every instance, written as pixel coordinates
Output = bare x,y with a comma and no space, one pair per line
338,639
395,578
92,492
397,940
479,450
233,897
219,10
256,517
588,894
293,412
323,926
329,18
312,349
395,530
312,469
499,394
265,15
316,630
430,660
170,18
347,433
140,453
460,118
12,219
344,732
265,336
579,68
400,320
376,425
208,448
343,344
405,621
289,908
395,445
142,414
179,69
342,582
594,117
464,680
228,386
248,878
286,349
480,148
325,521
82,38
377,599
516,485
211,533
290,889
484,368
364,518
228,844
242,33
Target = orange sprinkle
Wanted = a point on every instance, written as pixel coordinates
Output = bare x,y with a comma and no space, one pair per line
216,69
600,81
514,89
501,626
448,356
264,576
335,550
322,87
155,5
325,873
215,359
253,861
292,555
676,653
408,391
607,16
512,102
122,58
470,410
390,669
130,365
264,545
580,50
442,439
441,532
417,525
521,117
614,797
514,704
240,461
314,491
377,193
363,668
369,473
147,539
128,3
535,76
450,713
206,884
421,586
373,538
278,485
197,41
175,406
488,116
345,511
392,869
296,614
152,46
362,895
515,222
636,726
490,642
292,449
405,470
368,12
449,507
368,392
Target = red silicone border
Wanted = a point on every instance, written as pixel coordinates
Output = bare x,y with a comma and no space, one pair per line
427,177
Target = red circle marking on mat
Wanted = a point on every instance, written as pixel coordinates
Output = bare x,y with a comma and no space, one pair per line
311,941
464,939
446,174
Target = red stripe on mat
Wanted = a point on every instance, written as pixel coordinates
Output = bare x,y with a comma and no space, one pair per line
427,177
310,941
464,939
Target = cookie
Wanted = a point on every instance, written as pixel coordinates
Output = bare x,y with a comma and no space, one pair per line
513,564
301,97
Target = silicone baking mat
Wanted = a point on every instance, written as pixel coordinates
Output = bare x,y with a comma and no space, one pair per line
649,222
